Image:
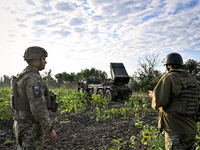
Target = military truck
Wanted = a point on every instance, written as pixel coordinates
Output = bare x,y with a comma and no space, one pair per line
113,88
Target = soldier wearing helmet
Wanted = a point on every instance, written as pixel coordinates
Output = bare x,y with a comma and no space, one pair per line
176,96
29,97
36,53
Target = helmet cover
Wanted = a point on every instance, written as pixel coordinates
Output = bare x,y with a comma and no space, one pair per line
35,52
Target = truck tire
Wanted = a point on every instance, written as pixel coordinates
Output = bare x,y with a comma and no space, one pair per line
90,92
100,92
81,90
108,95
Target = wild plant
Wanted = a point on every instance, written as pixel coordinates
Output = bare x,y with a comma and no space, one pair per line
197,144
152,137
5,104
73,102
8,141
119,142
99,101
99,114
133,142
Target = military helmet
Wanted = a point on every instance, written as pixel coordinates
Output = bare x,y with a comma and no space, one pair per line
173,59
35,52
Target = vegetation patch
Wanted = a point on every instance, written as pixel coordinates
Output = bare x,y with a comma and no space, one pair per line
96,123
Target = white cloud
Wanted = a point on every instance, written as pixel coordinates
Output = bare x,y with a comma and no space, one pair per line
76,21
30,2
94,33
68,7
79,30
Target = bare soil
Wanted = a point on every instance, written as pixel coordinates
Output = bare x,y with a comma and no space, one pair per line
80,132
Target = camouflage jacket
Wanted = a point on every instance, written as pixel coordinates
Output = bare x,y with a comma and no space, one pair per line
32,103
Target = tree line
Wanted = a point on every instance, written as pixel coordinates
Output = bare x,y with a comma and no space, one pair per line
62,80
144,78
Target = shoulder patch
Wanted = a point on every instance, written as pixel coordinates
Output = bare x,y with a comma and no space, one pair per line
36,91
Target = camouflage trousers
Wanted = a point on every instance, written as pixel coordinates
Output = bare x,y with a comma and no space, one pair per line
175,141
29,136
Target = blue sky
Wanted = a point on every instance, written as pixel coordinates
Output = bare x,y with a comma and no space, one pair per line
80,34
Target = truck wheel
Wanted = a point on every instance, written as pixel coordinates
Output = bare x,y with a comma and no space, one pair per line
81,90
90,93
109,95
100,92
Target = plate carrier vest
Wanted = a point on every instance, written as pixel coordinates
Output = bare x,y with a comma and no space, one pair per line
188,101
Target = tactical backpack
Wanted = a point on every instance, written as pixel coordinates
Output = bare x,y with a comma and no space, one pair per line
18,103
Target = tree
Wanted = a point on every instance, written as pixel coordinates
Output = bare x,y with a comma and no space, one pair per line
59,78
49,79
90,73
193,67
66,77
146,77
147,65
190,65
5,81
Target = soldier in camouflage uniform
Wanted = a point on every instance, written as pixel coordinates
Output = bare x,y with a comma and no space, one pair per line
29,101
176,96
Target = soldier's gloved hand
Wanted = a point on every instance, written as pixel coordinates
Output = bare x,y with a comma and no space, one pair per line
52,136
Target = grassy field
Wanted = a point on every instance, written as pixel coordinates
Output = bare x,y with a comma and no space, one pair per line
73,103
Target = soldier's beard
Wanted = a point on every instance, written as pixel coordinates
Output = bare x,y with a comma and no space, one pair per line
38,67
41,67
